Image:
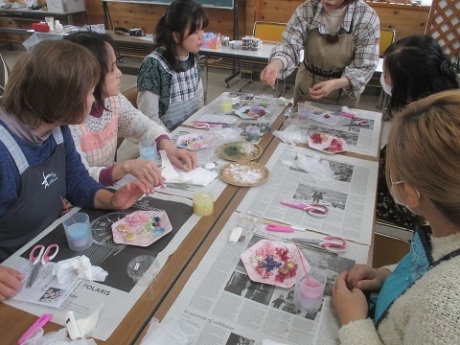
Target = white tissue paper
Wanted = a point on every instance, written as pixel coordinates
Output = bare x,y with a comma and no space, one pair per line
80,329
284,101
197,176
80,266
289,135
319,169
170,332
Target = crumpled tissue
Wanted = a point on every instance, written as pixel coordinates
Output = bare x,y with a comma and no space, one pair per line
55,338
197,176
289,135
79,329
79,265
284,101
171,332
319,169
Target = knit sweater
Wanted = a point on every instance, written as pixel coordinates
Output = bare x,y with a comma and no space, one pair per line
132,125
427,313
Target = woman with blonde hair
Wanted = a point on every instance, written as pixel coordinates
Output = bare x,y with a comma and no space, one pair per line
418,299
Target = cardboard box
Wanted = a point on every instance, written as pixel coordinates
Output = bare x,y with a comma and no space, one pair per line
66,6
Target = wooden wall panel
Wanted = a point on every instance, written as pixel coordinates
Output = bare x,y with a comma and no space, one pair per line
406,20
132,15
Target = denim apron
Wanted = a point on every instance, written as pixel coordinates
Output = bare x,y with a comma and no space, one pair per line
38,203
411,268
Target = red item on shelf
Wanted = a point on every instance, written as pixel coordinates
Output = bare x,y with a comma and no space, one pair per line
41,27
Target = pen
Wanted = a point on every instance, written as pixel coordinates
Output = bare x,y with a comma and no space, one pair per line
41,321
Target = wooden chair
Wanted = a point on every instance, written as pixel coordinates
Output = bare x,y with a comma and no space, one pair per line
131,94
269,31
387,37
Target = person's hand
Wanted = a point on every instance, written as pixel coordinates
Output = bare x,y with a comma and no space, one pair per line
350,305
181,158
322,89
366,278
10,282
270,72
127,195
141,169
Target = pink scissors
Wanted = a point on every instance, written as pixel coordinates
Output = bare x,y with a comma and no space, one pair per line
205,125
332,244
40,257
313,209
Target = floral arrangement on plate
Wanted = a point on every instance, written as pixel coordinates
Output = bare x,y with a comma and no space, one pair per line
274,263
141,228
239,151
195,141
252,112
327,143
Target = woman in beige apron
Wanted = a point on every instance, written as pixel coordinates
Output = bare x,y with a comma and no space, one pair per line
340,40
325,58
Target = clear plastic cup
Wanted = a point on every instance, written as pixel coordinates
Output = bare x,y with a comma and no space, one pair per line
143,269
148,150
309,290
78,231
303,115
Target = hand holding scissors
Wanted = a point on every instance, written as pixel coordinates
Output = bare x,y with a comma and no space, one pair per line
333,244
40,257
313,209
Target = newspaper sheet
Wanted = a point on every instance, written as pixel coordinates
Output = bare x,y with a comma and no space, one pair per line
347,187
361,133
118,289
229,309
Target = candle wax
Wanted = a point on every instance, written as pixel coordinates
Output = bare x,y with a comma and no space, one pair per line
203,204
78,234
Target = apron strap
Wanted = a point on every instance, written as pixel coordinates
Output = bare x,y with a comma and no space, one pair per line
57,134
14,149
